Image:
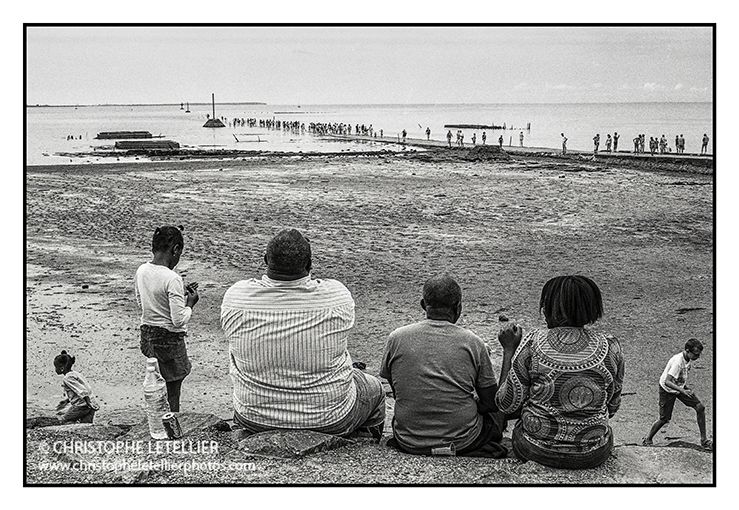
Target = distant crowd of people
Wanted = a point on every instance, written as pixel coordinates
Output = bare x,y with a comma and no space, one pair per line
291,369
656,145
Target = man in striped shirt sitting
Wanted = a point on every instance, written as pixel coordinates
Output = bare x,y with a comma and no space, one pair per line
289,362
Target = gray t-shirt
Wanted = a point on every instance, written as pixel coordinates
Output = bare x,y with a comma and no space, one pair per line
434,367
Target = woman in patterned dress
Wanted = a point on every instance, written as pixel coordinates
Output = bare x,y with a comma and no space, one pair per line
564,380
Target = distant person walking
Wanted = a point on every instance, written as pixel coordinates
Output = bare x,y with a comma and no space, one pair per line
608,143
428,133
449,138
520,138
500,141
564,144
474,138
615,142
704,147
484,137
596,143
404,134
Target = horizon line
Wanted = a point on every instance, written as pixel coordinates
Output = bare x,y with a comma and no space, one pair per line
67,105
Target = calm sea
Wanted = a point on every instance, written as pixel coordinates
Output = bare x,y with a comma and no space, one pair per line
54,129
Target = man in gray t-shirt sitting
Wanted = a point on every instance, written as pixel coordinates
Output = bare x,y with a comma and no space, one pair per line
443,381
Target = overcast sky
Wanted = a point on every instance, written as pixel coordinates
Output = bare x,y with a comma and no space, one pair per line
346,65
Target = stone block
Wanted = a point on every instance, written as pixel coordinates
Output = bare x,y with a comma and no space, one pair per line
287,444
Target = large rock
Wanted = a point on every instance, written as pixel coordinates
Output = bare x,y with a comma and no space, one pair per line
286,444
89,431
126,417
40,417
189,423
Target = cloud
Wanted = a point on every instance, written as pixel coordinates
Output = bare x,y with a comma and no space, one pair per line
560,86
653,86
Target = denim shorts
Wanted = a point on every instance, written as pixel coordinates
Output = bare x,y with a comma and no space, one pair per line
667,403
169,348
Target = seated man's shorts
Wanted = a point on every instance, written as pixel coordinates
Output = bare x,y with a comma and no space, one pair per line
487,444
667,403
368,410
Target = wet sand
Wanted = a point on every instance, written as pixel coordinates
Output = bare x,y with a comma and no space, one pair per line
381,224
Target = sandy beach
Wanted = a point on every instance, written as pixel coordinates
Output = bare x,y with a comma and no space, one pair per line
381,224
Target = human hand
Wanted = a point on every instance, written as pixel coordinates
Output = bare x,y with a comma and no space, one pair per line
191,292
688,392
510,337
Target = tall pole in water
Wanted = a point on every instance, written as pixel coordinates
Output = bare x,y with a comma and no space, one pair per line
214,123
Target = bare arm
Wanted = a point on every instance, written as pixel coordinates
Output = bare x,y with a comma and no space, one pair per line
509,338
671,383
513,389
487,404
90,404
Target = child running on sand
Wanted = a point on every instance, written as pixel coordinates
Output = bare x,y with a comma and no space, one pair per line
672,386
77,393
166,305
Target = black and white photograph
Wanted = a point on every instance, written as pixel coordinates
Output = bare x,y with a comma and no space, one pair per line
397,254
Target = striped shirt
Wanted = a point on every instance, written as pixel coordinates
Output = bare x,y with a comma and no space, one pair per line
289,362
566,382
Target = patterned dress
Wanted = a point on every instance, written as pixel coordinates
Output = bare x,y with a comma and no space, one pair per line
566,382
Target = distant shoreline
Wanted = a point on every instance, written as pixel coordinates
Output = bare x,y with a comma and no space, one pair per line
37,105
206,103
